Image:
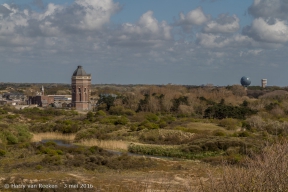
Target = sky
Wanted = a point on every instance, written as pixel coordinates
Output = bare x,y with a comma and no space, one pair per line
189,42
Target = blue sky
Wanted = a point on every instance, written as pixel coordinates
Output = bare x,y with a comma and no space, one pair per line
144,42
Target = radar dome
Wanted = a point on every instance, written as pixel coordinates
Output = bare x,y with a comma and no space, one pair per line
245,81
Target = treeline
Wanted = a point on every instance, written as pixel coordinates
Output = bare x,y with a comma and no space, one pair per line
207,102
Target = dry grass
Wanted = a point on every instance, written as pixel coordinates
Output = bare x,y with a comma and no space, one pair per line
52,135
267,171
204,126
106,144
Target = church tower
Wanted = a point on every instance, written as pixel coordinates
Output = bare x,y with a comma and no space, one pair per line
81,84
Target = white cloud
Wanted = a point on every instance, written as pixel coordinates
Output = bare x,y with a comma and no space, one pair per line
97,13
261,30
254,52
147,31
269,8
223,24
194,17
219,41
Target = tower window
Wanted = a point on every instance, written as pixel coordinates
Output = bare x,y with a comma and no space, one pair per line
85,90
79,89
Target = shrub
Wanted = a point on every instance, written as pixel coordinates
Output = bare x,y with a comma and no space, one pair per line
2,111
221,111
116,110
121,121
244,134
11,139
167,151
52,160
152,117
126,162
114,120
219,133
2,152
266,171
119,110
148,125
192,148
100,113
229,123
255,122
129,112
12,116
38,167
169,119
89,116
22,133
216,143
162,124
85,134
133,127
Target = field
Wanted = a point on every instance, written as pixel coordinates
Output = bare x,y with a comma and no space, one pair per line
149,138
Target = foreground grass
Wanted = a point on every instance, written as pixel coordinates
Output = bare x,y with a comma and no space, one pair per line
168,176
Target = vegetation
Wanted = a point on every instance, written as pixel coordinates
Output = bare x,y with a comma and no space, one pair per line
241,132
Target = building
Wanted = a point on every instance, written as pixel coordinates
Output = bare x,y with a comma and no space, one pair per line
62,101
81,84
41,100
14,96
264,83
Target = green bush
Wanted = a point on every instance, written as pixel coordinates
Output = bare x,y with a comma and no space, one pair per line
229,123
38,167
85,134
52,160
119,110
162,123
152,117
129,112
219,133
2,152
244,134
214,143
65,126
221,111
148,125
100,113
90,116
121,121
133,127
2,111
191,148
23,134
12,116
167,151
169,119
114,120
11,139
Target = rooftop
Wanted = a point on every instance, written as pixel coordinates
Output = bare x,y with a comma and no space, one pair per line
80,72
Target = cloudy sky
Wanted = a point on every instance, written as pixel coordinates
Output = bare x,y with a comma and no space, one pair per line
190,42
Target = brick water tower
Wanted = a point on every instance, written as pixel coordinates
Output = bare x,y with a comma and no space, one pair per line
81,85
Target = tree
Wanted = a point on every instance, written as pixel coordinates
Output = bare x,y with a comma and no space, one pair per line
107,99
